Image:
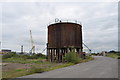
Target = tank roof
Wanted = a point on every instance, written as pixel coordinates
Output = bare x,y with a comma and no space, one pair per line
63,23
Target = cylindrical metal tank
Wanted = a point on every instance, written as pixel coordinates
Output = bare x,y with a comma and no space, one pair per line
62,38
65,34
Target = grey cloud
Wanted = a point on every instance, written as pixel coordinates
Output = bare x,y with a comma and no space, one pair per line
98,20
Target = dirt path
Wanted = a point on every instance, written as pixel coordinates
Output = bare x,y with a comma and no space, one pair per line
13,66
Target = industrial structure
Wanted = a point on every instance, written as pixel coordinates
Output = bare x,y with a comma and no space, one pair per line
62,38
87,48
5,51
22,49
32,51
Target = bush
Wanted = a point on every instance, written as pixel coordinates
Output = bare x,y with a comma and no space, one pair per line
41,55
36,70
36,56
119,57
9,55
118,54
24,56
72,57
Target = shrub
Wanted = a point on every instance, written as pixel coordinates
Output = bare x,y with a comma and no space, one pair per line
118,54
36,70
119,57
36,56
72,57
40,55
23,56
9,55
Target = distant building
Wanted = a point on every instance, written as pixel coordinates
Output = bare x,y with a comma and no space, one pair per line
103,53
5,51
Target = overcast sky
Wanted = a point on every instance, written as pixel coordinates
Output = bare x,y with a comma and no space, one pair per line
99,23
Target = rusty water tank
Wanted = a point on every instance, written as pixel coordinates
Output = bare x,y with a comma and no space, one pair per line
65,34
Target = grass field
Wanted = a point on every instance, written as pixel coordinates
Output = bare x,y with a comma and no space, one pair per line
113,55
21,66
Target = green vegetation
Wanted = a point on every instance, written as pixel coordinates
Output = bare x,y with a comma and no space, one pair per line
33,69
9,55
88,58
24,59
14,55
119,57
113,55
21,65
72,57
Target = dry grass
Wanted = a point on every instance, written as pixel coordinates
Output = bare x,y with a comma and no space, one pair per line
20,67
